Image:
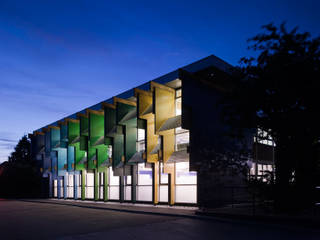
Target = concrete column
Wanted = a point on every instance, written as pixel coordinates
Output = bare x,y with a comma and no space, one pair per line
65,185
134,177
58,188
96,185
121,189
106,182
75,185
83,184
50,185
155,183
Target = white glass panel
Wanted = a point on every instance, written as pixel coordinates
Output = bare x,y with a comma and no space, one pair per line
89,192
178,106
128,180
114,180
77,179
183,176
101,192
70,180
114,192
144,193
55,188
141,146
127,194
186,194
141,134
101,179
178,93
163,176
90,179
182,140
144,175
70,192
61,191
164,193
79,192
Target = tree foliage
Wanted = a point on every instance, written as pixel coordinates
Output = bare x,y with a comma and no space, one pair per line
22,151
278,92
20,175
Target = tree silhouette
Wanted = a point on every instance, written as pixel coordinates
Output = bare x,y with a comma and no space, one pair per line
22,151
20,176
278,92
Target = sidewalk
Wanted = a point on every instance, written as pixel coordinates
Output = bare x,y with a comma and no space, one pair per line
221,214
175,211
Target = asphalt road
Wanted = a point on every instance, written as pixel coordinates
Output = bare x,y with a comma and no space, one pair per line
31,220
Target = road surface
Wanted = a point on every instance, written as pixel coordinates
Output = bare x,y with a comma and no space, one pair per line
32,220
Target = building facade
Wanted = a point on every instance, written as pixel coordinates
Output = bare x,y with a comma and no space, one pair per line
144,145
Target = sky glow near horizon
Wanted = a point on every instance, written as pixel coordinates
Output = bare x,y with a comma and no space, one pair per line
59,57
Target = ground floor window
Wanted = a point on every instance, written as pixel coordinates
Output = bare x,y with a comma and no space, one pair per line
144,183
89,185
77,179
101,185
114,182
163,185
61,189
186,184
127,187
55,188
70,185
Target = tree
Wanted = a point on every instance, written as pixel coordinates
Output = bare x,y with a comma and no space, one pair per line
22,152
278,92
20,176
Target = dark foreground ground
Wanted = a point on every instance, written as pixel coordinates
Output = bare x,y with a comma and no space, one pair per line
40,220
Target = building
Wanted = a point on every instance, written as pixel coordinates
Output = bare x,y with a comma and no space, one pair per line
147,144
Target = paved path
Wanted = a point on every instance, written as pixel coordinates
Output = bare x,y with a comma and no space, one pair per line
36,220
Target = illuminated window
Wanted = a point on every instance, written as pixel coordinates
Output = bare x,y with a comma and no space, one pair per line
144,187
113,185
186,184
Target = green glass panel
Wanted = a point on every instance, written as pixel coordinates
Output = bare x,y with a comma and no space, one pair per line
64,132
84,126
80,158
96,129
55,138
92,157
70,160
73,132
74,140
126,116
102,157
84,143
62,161
117,150
110,121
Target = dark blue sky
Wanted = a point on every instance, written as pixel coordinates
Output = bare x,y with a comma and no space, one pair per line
58,57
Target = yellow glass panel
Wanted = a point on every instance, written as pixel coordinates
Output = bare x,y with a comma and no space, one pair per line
164,106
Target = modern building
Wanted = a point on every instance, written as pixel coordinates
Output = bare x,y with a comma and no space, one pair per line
148,144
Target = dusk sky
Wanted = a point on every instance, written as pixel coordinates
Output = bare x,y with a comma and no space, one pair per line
59,57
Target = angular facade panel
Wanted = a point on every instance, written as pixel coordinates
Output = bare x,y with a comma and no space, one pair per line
142,145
